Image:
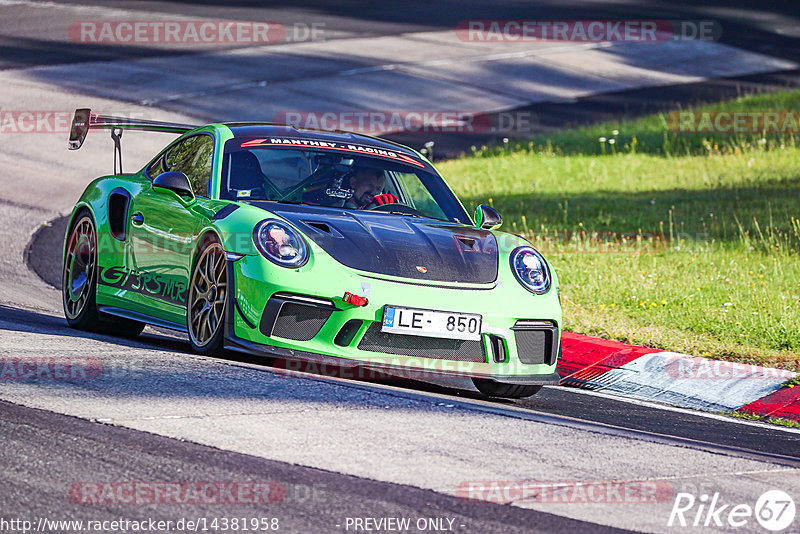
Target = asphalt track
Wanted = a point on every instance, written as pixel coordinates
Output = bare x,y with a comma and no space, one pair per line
342,448
310,500
35,36
587,406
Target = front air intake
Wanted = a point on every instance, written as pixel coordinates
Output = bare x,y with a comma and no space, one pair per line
295,317
347,333
299,322
498,349
536,342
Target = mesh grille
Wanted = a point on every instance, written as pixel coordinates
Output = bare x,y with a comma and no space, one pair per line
533,346
459,350
299,322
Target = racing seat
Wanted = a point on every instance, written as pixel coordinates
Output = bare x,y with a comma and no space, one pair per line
244,174
317,193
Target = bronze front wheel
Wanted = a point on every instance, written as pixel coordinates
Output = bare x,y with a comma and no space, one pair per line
208,294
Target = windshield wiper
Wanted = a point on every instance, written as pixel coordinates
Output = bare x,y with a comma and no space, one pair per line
295,202
405,213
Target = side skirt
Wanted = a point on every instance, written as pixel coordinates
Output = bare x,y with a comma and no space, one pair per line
141,317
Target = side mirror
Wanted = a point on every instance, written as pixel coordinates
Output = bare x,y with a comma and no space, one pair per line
487,218
175,181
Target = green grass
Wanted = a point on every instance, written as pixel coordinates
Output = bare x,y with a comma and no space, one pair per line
677,241
780,421
792,383
653,134
783,422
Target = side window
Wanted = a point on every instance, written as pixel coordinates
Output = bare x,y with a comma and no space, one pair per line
417,195
155,168
193,157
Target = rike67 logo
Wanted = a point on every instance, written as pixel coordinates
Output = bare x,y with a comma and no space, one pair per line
774,510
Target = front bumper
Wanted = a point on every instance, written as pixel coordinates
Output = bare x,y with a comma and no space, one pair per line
504,305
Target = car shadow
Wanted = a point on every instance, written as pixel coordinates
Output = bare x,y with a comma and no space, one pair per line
172,379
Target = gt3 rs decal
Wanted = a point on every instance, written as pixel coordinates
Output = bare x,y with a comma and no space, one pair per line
339,193
164,287
333,145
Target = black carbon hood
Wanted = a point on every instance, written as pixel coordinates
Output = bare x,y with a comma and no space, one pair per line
397,245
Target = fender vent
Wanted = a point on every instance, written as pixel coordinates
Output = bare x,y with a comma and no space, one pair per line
118,213
467,241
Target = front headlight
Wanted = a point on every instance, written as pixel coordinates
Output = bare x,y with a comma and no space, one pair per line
280,243
530,269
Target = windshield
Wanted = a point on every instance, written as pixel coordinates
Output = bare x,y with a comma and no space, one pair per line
325,178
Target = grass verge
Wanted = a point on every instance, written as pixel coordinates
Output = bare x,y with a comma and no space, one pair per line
780,421
684,242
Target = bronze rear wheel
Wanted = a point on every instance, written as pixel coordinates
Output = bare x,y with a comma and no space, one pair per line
80,263
79,283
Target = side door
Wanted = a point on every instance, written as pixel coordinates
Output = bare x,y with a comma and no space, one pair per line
164,228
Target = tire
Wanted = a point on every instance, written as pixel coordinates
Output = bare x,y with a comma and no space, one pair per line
79,283
491,388
207,303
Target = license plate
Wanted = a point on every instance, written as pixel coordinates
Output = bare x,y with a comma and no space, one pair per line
431,323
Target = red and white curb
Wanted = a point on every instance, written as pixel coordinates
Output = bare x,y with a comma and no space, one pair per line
677,379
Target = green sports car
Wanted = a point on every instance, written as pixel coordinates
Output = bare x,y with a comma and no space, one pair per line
308,245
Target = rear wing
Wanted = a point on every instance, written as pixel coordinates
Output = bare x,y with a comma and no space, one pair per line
85,120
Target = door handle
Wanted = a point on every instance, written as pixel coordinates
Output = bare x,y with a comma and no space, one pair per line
137,219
